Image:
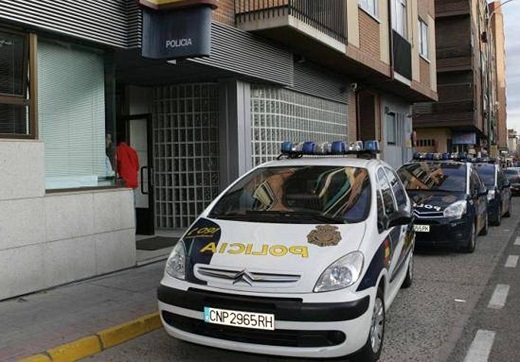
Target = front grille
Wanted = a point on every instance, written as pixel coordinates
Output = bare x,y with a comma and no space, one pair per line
234,276
428,214
277,337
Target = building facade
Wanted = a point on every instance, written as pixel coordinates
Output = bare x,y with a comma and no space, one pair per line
465,118
74,80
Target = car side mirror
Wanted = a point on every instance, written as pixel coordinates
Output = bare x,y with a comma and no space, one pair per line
400,217
483,192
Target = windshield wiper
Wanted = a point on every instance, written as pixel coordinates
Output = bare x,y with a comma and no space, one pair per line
280,215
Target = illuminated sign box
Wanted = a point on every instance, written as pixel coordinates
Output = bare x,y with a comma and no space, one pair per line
177,34
469,138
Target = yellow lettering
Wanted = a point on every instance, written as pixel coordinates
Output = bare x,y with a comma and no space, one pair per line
209,247
249,248
264,250
299,250
239,248
278,250
222,248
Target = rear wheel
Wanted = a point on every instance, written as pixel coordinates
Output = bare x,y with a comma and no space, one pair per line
371,351
508,212
472,240
485,229
498,221
407,283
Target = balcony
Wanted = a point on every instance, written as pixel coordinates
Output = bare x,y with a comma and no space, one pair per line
310,26
452,8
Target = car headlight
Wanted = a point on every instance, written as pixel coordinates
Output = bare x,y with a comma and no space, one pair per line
456,210
341,274
176,263
491,194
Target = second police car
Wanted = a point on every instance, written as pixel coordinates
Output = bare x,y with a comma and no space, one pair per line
300,257
449,198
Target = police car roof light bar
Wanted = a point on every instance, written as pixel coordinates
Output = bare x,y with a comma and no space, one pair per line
434,156
310,148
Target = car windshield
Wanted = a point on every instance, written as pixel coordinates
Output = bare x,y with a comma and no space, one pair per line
434,176
487,174
303,194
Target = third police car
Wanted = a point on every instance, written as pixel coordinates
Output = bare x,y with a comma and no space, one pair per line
300,257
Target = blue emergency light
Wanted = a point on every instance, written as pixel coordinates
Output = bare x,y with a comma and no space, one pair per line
431,156
311,148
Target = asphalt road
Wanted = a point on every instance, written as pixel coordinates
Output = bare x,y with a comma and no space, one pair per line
437,319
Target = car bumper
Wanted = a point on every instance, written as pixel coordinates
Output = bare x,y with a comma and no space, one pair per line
515,189
443,232
301,329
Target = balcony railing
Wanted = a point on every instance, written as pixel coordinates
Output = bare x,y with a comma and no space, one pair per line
326,16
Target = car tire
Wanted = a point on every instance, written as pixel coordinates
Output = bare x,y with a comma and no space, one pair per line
472,240
408,279
508,212
485,229
371,351
498,221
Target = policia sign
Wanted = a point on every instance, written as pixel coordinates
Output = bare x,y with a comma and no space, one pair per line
174,29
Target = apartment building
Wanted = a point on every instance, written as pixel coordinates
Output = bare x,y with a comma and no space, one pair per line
77,75
465,117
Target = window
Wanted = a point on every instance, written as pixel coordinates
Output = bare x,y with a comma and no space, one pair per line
370,6
386,192
399,17
397,187
391,129
423,38
71,97
15,102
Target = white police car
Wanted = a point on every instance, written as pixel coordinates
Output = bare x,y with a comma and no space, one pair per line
300,257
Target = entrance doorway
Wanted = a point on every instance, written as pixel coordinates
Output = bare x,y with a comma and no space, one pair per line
137,131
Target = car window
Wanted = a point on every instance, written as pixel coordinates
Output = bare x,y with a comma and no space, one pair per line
487,174
475,182
434,176
305,194
512,175
397,187
386,192
501,178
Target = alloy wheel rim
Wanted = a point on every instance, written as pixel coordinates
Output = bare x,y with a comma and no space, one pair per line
377,326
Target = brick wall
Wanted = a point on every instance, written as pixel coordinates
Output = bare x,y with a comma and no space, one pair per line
225,12
369,36
424,72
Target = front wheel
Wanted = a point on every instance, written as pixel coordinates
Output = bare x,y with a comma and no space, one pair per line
485,229
508,212
472,240
371,351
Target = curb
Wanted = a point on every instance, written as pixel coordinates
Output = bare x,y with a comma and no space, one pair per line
98,342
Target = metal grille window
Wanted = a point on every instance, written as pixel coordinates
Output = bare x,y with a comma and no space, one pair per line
186,152
14,84
280,114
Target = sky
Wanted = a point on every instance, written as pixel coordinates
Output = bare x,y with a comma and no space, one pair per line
511,12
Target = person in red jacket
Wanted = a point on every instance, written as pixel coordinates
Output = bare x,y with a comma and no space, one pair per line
127,164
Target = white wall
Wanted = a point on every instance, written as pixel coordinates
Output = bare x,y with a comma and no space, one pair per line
55,238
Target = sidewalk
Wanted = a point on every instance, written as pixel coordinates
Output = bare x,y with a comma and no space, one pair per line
34,323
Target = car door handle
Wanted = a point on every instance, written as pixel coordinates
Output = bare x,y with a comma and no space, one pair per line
142,179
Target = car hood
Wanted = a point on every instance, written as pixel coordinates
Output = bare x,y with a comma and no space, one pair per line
265,257
431,202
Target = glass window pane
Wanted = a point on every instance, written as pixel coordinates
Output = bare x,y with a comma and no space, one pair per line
13,76
14,119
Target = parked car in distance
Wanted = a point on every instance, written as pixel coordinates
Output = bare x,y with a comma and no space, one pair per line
499,190
300,257
450,202
513,175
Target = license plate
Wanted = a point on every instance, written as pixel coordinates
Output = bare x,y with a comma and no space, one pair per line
236,318
422,228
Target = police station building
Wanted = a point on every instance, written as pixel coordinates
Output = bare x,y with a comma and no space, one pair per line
203,89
